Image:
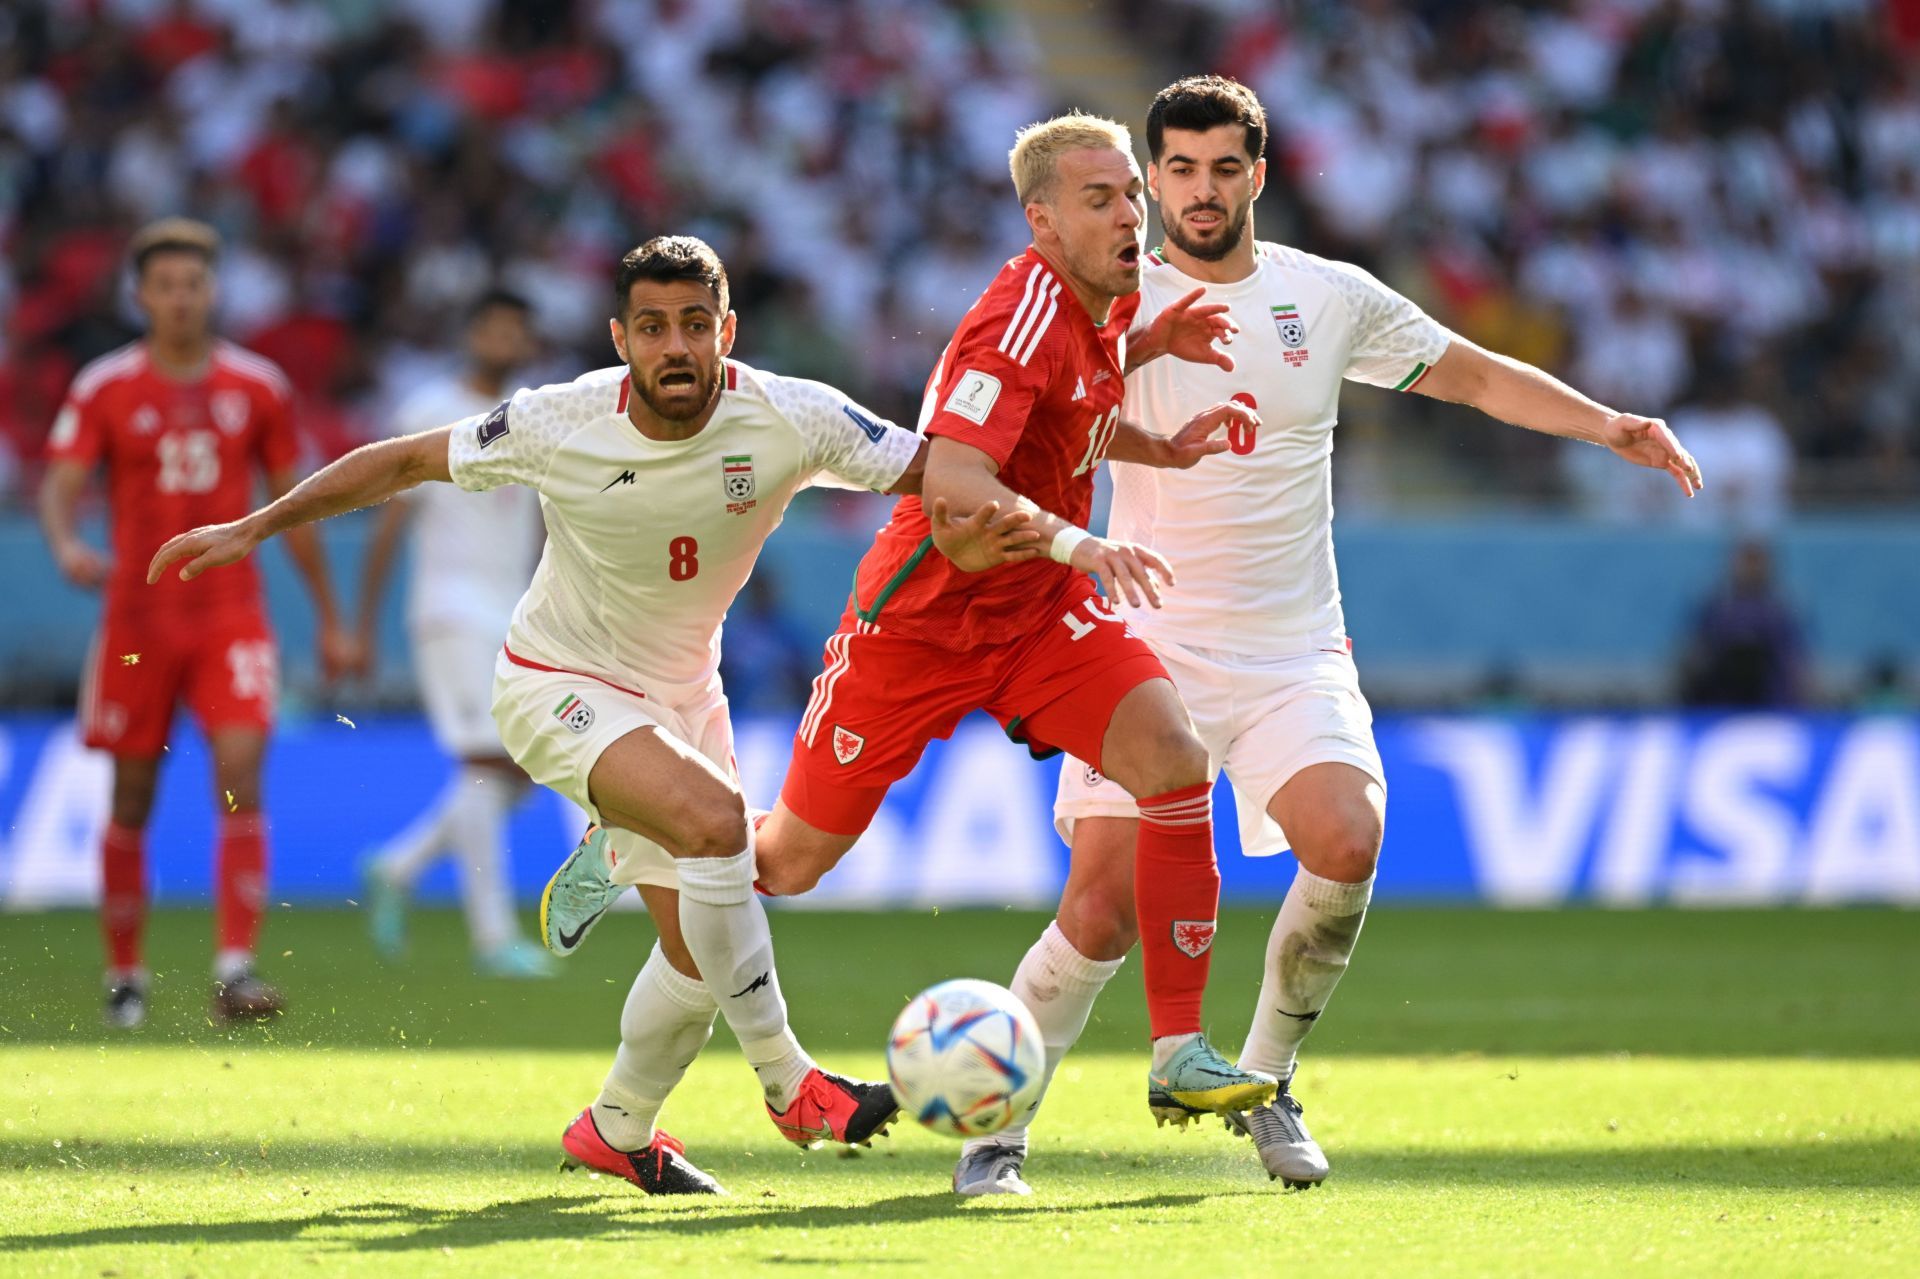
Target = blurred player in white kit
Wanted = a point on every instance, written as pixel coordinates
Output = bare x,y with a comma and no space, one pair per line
472,557
1253,634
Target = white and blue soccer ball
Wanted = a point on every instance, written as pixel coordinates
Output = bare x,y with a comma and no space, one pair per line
965,1058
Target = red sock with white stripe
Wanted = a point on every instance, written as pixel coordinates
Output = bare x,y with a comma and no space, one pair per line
1176,886
123,896
240,874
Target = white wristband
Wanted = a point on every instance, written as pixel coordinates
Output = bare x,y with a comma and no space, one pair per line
1065,540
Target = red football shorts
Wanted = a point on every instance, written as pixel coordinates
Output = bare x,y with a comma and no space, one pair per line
883,697
225,668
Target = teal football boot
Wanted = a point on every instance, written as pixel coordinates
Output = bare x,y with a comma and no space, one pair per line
579,893
1197,1080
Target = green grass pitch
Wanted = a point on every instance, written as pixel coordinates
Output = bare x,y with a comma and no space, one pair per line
1500,1093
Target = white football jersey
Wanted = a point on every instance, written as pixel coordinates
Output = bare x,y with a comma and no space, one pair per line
1250,531
648,541
473,553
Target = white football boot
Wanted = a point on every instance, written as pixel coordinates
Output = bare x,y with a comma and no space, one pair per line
990,1167
1287,1150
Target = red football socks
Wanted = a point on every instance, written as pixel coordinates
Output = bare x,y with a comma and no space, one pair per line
1176,886
123,894
240,872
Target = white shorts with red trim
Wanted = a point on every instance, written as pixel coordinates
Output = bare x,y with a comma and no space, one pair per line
556,724
1263,719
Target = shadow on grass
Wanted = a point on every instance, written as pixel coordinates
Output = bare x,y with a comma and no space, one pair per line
616,1214
573,1218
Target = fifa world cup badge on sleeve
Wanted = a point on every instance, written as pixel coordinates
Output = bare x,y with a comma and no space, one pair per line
574,713
1194,937
973,396
492,426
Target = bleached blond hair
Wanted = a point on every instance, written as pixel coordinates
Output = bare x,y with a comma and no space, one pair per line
1037,149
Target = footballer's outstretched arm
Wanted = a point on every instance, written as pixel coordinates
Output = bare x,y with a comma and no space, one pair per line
911,479
367,476
1134,443
961,477
1525,396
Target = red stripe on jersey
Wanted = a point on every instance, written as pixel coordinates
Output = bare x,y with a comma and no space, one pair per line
626,385
518,660
733,377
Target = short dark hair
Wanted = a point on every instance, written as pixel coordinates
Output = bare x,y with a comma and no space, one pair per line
666,258
1202,102
503,298
173,235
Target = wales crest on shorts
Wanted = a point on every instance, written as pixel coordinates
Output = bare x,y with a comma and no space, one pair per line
736,476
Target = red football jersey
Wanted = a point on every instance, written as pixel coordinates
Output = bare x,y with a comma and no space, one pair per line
178,454
1033,382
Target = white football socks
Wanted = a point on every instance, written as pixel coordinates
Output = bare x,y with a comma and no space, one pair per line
726,929
666,1022
1058,985
474,825
1307,954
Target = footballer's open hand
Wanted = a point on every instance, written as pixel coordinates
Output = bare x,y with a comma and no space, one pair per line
209,546
1197,438
1125,570
1649,442
1189,330
985,539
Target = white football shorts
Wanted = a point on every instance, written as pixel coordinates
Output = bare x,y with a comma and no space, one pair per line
1263,719
556,724
453,666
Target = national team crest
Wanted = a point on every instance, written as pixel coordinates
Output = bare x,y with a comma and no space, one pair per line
230,410
574,713
736,476
1194,937
1293,331
847,745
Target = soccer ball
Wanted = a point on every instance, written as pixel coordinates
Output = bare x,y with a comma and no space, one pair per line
965,1058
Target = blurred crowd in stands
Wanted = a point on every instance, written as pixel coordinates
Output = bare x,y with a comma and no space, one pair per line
1703,208
374,165
1708,209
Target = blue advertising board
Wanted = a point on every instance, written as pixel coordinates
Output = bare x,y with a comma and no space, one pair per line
1521,811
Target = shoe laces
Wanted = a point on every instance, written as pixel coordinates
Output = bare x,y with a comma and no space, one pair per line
1277,1123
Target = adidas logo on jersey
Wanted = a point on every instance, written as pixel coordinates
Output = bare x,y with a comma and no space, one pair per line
1079,388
